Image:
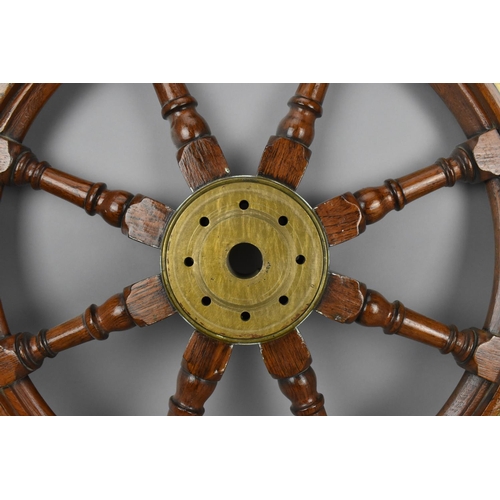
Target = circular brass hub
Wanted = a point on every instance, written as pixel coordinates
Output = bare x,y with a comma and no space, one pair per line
244,260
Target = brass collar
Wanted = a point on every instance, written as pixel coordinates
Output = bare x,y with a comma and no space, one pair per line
244,260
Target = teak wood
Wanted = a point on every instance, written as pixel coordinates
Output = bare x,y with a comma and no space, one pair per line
284,161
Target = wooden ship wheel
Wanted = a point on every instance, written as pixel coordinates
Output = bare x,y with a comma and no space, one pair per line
245,259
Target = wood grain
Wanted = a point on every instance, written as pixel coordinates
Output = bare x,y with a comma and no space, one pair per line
202,366
476,107
476,350
20,104
140,304
346,300
347,216
343,299
289,361
199,155
140,218
469,106
287,154
23,399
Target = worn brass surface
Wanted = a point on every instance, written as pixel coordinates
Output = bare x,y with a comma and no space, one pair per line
196,263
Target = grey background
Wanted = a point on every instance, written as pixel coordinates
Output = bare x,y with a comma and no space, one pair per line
436,256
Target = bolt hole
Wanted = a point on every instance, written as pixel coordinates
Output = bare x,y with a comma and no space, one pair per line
245,260
283,300
204,221
283,220
206,301
300,259
244,204
188,261
245,316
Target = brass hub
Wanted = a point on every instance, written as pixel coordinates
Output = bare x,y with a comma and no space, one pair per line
244,260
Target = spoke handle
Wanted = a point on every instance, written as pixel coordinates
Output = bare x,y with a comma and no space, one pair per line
289,361
376,203
199,155
202,366
94,198
305,108
140,218
475,350
179,106
286,155
24,353
141,304
347,216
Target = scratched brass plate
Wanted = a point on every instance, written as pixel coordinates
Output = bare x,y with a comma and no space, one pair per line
204,281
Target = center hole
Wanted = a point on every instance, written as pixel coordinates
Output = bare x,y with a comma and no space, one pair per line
245,260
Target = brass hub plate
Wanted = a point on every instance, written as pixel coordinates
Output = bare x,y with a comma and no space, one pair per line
244,260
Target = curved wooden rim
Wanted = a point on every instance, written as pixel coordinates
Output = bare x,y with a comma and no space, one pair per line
19,105
476,108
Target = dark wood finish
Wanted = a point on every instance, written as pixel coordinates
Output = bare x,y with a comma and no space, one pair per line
287,153
141,304
476,350
343,299
470,397
347,216
20,103
477,109
140,218
22,399
199,155
289,361
4,327
202,366
493,407
472,105
492,322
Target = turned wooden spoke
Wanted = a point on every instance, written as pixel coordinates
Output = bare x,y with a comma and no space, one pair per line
287,153
199,155
476,350
288,360
202,366
141,304
347,216
140,218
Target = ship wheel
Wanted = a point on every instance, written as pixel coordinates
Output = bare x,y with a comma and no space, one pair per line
245,259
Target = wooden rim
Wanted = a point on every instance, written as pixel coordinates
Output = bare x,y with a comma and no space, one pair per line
476,108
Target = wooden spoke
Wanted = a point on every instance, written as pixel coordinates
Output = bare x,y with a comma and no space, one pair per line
202,366
288,360
141,304
140,218
199,155
343,299
347,216
287,153
476,350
